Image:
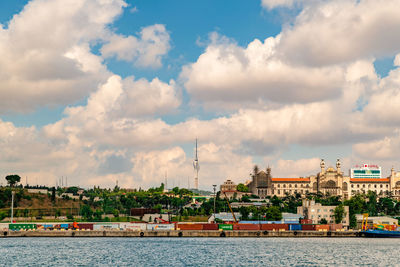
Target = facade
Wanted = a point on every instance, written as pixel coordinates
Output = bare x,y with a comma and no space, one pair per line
230,189
328,181
316,212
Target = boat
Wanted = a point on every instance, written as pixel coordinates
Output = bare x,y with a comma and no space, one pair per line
378,230
380,233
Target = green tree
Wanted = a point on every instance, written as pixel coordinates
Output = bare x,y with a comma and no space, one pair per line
323,221
13,179
242,188
273,214
244,212
339,213
86,212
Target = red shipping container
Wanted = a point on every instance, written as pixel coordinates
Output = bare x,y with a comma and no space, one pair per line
335,227
187,226
308,227
306,221
322,227
86,226
275,227
210,226
246,226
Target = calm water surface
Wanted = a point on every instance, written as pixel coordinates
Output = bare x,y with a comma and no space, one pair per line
199,252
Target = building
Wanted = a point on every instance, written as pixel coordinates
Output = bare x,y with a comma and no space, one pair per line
316,212
329,180
229,188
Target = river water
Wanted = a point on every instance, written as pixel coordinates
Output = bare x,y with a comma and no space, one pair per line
199,252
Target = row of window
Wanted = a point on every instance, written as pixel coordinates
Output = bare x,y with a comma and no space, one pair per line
291,185
289,191
369,186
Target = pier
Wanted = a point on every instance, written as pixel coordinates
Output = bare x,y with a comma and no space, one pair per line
175,233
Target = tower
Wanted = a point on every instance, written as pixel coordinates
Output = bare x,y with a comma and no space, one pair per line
322,166
196,167
338,164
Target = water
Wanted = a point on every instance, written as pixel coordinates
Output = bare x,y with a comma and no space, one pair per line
199,252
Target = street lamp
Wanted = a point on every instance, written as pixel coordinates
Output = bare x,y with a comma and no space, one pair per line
215,196
12,206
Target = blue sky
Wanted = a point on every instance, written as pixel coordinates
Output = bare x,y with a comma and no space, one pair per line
126,86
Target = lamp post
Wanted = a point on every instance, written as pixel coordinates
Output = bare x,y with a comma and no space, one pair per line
12,206
215,196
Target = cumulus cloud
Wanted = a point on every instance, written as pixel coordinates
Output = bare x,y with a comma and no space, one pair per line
333,32
46,53
296,168
145,51
228,73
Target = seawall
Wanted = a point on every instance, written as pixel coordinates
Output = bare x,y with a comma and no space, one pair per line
175,233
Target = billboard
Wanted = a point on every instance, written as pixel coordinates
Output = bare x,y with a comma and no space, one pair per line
366,171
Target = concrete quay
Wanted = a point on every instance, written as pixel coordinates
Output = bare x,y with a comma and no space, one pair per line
175,233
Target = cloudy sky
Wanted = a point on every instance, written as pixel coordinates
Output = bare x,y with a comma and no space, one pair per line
106,90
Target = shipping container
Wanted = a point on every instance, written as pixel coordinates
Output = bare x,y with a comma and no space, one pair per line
275,227
308,227
306,221
160,227
106,226
210,226
335,227
64,225
133,226
225,227
85,226
295,227
250,222
321,227
247,226
22,226
189,226
4,226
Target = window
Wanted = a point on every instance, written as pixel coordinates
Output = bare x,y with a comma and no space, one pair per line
352,186
363,185
375,185
387,186
279,192
369,186
295,185
381,185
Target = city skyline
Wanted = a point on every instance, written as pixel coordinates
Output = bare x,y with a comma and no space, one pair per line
105,91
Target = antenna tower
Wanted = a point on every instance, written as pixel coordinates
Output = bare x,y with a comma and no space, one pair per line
196,167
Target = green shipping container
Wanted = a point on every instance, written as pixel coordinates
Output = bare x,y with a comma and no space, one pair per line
225,226
22,226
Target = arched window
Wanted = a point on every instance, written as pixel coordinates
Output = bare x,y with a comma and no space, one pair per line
344,186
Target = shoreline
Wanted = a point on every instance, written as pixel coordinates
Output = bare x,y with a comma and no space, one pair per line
177,233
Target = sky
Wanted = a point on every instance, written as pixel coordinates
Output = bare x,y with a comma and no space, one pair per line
101,91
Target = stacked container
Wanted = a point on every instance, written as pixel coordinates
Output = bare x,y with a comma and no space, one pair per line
210,226
275,227
247,226
160,227
322,227
189,226
225,227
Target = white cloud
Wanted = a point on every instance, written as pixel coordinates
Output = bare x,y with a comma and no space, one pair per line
145,51
227,73
296,168
333,32
271,4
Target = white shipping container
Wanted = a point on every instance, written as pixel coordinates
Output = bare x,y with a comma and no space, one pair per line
105,226
4,226
133,226
160,227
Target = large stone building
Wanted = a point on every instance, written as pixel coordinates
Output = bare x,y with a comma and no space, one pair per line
316,212
229,188
328,181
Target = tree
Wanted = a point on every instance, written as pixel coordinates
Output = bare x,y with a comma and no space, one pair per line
323,221
242,188
244,212
273,214
53,194
86,212
13,179
339,213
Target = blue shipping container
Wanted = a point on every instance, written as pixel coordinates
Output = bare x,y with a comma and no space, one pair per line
64,225
295,227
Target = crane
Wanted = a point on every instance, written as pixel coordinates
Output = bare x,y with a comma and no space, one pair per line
230,208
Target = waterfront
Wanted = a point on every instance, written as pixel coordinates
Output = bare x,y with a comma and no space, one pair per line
198,252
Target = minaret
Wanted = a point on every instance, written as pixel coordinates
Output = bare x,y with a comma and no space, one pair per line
338,164
196,167
322,166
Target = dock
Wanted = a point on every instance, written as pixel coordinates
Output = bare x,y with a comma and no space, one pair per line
177,233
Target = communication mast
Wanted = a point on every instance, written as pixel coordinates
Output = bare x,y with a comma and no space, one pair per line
196,167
